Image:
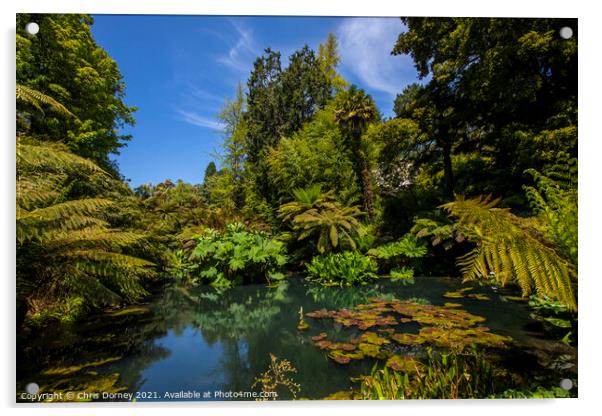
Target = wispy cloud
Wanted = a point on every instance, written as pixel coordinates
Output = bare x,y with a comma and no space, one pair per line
365,47
241,54
196,119
205,96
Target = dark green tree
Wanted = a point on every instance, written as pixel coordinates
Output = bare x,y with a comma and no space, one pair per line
279,102
210,171
64,61
505,88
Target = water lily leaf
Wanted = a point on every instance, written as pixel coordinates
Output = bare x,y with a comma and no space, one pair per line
408,339
404,364
322,344
373,338
479,296
319,337
372,350
323,313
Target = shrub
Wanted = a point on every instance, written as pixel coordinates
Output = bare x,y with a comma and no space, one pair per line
395,257
237,256
342,269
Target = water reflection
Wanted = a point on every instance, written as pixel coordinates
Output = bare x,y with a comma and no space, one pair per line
207,339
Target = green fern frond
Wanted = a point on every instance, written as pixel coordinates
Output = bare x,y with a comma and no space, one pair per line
509,249
50,156
39,99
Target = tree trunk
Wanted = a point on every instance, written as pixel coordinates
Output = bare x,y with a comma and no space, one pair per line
366,184
448,171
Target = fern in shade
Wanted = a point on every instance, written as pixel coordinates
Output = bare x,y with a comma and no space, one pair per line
511,249
66,249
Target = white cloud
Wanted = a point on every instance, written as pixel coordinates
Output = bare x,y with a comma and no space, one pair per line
242,53
365,46
196,119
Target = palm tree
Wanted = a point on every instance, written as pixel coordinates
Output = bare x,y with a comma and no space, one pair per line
354,110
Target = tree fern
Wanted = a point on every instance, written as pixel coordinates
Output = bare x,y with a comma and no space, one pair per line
65,246
39,99
511,249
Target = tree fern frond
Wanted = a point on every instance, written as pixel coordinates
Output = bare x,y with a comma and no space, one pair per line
38,99
64,210
51,156
510,248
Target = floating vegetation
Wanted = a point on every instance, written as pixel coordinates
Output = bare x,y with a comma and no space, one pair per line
319,337
447,327
479,296
458,294
516,298
405,364
452,305
343,395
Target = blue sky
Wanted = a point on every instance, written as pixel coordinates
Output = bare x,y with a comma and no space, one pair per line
178,70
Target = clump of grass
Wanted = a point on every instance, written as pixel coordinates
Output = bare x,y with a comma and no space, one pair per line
445,376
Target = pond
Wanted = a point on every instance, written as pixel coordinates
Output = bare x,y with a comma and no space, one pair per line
207,340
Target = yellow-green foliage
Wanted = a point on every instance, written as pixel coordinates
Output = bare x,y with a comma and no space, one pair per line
511,249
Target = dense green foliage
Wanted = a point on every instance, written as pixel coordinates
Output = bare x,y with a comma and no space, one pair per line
237,256
65,63
347,268
475,176
310,167
395,258
68,253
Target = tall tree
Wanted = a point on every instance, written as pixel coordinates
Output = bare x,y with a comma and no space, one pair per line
354,110
233,145
279,102
432,106
329,59
64,61
210,171
506,88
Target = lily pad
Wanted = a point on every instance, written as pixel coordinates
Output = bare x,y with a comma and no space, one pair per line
458,294
373,338
404,363
372,350
319,337
479,296
408,339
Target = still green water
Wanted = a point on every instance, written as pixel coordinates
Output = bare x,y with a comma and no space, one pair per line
207,340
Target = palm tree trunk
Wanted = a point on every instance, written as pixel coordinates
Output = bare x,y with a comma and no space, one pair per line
366,185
